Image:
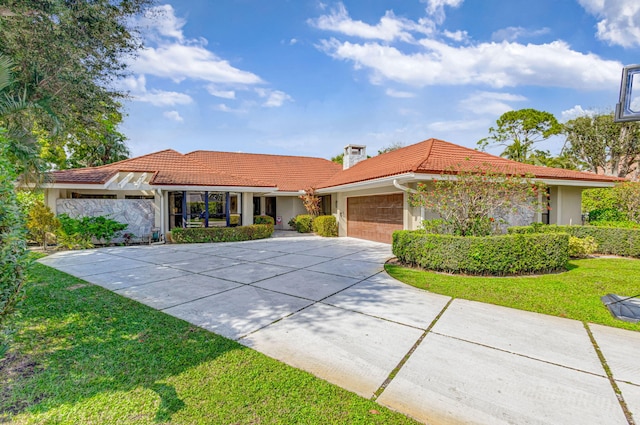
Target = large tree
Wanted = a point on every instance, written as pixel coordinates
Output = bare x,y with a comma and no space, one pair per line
518,131
67,54
604,146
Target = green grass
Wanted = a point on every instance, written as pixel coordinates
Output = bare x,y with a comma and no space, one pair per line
574,294
84,355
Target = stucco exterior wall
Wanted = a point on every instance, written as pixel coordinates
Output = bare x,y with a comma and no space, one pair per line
288,207
139,214
569,210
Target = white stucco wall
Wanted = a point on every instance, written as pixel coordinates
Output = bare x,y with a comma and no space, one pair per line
288,207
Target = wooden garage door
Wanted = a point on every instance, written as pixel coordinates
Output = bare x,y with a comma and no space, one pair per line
374,218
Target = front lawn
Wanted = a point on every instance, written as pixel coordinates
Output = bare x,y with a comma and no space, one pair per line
84,355
574,294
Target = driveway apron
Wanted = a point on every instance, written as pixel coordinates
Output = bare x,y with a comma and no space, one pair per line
325,305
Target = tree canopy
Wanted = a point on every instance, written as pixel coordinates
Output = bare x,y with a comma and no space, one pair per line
604,146
519,130
66,57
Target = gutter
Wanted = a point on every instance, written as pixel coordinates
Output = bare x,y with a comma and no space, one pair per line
403,188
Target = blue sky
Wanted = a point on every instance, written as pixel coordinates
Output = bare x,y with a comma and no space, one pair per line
307,77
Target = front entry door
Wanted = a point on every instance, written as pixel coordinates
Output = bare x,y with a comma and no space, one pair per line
270,207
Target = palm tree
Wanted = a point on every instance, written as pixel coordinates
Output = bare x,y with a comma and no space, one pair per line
22,148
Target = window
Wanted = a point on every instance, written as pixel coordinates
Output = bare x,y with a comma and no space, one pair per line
76,195
139,197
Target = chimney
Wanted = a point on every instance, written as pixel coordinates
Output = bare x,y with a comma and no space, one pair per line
353,154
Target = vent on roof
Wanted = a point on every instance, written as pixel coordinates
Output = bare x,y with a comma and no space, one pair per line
353,154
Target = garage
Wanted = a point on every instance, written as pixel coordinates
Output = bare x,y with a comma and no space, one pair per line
374,218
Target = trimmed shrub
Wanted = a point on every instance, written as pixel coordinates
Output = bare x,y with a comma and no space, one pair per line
581,247
78,232
234,219
325,225
611,240
487,255
607,214
221,234
263,219
625,223
304,223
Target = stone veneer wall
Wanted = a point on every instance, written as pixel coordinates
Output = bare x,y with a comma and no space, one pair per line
139,214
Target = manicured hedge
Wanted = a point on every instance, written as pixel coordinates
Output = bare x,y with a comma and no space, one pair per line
304,223
325,225
221,234
263,219
611,240
489,255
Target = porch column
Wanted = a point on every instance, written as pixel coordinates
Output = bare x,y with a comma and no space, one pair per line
247,209
206,209
227,207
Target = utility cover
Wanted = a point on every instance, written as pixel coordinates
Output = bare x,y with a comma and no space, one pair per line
623,308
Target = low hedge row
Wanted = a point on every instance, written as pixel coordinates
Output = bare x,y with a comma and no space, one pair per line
221,234
263,219
490,255
325,225
611,240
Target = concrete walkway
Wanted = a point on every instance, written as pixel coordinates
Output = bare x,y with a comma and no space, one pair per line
328,307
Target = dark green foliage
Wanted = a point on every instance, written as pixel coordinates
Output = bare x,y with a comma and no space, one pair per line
611,240
607,214
221,234
304,223
263,219
14,259
85,228
490,255
325,225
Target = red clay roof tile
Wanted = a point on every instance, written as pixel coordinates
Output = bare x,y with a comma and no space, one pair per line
435,156
288,173
294,173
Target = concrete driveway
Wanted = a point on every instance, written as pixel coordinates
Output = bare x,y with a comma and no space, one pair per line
328,307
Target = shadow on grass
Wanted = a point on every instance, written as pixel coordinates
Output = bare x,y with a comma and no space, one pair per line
82,340
170,403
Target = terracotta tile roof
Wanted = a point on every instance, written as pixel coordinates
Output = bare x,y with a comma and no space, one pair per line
168,166
288,173
294,173
435,156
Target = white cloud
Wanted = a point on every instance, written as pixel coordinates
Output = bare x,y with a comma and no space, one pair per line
180,61
457,125
619,20
163,98
399,94
514,33
225,94
435,8
389,28
275,98
161,20
496,65
137,88
490,103
458,36
575,112
173,115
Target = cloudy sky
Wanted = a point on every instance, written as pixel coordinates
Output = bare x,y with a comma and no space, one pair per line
307,77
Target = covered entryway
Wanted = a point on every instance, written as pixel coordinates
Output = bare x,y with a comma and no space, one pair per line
374,218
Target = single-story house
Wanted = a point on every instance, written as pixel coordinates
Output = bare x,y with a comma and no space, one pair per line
368,196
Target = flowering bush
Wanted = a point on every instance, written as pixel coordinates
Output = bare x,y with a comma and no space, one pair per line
470,199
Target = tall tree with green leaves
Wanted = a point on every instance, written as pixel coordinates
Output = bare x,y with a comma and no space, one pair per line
67,56
604,146
518,131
